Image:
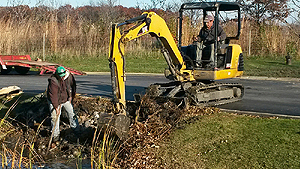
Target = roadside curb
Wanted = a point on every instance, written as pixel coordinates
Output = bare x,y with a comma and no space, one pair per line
142,74
271,78
260,114
243,77
97,73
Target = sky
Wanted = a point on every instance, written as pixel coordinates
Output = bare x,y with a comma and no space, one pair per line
74,3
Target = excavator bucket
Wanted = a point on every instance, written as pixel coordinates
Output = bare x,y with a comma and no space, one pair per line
122,124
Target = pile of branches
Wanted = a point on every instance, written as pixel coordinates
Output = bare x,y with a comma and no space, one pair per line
32,124
155,121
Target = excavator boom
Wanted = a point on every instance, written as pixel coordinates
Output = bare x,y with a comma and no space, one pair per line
189,82
147,23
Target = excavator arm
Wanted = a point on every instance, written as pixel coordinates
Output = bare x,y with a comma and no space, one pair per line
147,23
195,85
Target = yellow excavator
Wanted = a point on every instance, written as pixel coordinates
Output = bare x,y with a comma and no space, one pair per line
196,84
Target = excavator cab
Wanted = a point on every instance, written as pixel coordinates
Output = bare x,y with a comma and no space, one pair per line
218,55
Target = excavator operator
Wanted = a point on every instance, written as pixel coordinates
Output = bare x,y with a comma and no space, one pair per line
206,38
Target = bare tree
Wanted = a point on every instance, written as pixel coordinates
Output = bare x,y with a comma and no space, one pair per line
157,4
295,10
15,2
261,10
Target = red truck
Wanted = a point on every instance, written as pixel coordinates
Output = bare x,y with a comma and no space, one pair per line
23,63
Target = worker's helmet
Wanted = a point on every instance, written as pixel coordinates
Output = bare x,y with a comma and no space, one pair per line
60,71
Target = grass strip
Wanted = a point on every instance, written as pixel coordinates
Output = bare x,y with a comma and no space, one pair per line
135,62
224,140
153,62
271,67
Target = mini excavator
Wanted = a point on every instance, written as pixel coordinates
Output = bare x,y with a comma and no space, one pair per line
196,84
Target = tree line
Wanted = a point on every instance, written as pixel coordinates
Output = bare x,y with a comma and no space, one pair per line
85,30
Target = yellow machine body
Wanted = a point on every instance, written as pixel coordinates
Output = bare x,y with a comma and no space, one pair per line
151,23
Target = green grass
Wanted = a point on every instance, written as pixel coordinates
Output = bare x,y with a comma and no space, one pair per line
271,67
135,62
154,62
148,62
84,63
233,141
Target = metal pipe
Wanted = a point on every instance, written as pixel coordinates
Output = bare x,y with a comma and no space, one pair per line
179,36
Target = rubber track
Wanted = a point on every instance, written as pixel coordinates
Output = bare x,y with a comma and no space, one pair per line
207,87
221,85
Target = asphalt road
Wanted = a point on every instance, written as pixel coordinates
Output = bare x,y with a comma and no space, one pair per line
265,96
269,96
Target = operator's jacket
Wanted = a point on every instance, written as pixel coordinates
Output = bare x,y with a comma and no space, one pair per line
61,89
208,35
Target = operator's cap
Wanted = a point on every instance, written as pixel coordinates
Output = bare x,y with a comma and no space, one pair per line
208,18
61,71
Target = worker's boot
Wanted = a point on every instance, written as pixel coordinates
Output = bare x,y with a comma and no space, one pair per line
77,132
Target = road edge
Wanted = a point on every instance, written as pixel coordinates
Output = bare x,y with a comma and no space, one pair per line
243,77
260,114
